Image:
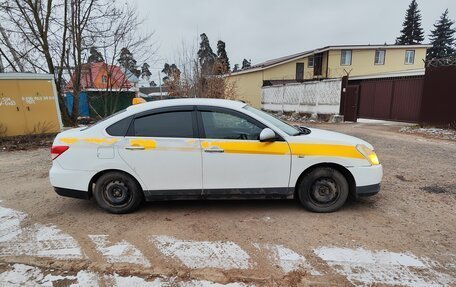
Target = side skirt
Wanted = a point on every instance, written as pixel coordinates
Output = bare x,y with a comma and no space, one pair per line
225,193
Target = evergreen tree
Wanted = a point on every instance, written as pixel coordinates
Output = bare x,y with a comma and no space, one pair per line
442,38
206,56
236,68
222,58
127,61
172,80
172,72
411,32
246,64
95,56
145,72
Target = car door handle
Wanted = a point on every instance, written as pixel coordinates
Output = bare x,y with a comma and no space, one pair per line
213,149
134,147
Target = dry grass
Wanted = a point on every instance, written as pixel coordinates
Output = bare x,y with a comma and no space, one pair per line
26,142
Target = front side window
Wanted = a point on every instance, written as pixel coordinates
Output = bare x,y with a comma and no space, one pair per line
310,62
345,57
409,57
379,57
104,79
223,125
169,124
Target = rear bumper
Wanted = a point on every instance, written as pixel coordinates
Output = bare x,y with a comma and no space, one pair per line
367,190
70,179
72,193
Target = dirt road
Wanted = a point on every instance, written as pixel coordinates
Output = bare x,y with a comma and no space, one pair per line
403,236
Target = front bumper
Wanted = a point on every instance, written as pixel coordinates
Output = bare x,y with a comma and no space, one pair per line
367,179
368,190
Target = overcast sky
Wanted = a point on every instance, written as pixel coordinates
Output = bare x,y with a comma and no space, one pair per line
264,29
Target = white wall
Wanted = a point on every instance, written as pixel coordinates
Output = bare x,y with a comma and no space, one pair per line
316,97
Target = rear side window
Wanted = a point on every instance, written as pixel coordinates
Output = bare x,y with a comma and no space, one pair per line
119,128
170,124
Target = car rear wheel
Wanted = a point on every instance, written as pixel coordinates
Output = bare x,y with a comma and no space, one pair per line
117,192
323,190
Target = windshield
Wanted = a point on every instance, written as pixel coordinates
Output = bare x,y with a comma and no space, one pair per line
290,130
103,119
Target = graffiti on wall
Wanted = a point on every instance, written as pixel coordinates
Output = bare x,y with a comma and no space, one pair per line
34,99
6,101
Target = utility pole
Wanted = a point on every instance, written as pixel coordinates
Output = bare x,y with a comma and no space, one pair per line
160,85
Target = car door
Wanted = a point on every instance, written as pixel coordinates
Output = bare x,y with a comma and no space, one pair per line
163,148
235,162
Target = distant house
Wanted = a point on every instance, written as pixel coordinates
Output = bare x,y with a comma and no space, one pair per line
105,89
102,77
329,62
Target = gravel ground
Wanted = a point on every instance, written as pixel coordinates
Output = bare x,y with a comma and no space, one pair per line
405,235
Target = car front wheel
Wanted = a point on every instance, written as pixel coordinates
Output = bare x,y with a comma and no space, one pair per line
323,189
117,192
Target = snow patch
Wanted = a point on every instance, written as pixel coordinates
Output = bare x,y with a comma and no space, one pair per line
287,259
203,254
21,275
36,240
25,275
363,267
134,281
121,252
10,223
204,283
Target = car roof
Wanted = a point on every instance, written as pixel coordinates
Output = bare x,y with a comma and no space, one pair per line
186,102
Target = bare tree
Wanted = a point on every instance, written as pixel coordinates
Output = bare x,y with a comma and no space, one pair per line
55,36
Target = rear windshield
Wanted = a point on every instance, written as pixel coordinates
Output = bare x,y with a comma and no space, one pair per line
102,120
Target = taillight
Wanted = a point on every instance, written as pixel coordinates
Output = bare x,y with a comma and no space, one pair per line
57,150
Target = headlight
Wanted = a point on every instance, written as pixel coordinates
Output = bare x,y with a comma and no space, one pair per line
368,154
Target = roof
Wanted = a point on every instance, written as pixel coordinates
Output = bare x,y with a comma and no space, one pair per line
130,76
90,72
25,76
290,58
149,90
187,102
406,73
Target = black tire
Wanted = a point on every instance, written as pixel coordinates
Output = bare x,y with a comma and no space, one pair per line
117,192
323,189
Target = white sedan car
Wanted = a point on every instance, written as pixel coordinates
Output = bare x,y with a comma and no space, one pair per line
209,149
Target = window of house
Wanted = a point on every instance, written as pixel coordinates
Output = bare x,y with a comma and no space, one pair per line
379,57
345,57
299,72
409,57
221,125
104,79
310,62
170,125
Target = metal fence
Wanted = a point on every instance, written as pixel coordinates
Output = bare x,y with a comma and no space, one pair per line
316,97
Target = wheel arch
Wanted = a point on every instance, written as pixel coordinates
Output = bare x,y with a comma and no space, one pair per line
100,173
342,169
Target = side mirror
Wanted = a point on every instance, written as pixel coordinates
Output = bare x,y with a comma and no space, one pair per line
267,135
